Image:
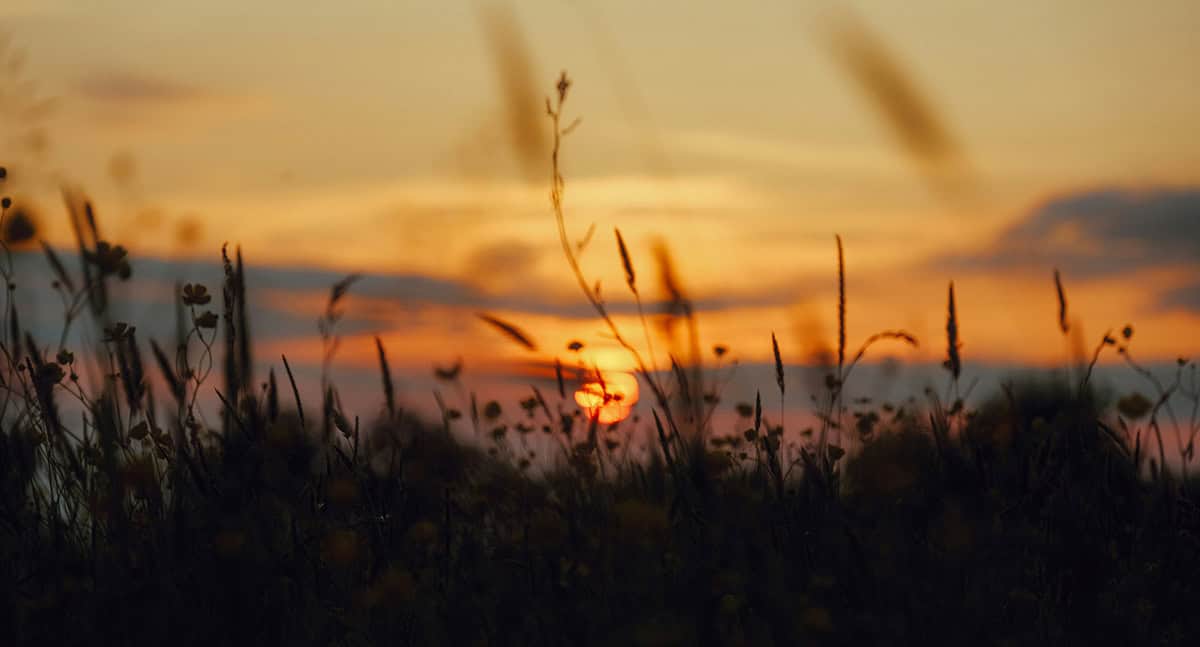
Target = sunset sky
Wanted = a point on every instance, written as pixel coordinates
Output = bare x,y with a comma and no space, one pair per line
407,141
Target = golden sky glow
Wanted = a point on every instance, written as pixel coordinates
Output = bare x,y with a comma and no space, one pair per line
378,137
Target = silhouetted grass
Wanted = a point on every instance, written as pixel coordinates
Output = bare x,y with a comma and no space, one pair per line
1029,519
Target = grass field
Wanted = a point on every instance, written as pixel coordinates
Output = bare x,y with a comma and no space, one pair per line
128,516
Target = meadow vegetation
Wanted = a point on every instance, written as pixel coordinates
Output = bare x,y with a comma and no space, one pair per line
1043,515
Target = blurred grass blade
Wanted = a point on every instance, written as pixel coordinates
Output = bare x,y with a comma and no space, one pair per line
514,333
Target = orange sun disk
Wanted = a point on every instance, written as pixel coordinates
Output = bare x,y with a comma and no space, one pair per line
609,399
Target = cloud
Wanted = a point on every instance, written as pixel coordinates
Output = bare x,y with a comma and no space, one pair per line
1182,298
135,99
1097,234
133,88
281,296
503,262
404,288
791,156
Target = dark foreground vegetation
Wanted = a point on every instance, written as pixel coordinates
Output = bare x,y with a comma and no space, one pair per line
1042,516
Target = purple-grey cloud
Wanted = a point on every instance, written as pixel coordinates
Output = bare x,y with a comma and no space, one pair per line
1182,298
1098,233
148,299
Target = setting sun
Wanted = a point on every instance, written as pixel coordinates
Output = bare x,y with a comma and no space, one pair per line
609,400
